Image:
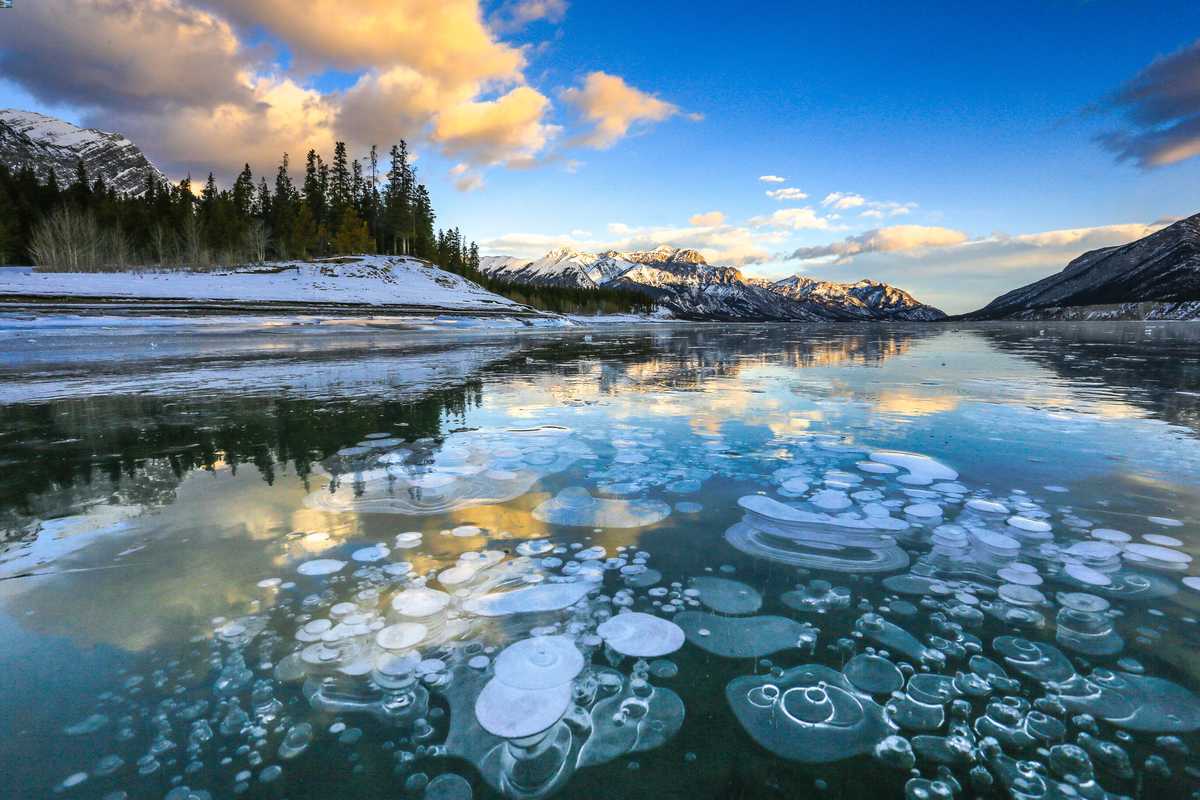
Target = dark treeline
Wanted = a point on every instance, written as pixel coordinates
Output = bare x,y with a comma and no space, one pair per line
340,208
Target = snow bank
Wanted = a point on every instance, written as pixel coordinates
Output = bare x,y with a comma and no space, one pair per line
362,280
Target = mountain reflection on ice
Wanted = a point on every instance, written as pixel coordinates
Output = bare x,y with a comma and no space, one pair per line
694,561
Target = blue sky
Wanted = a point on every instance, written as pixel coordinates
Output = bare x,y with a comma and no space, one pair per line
967,132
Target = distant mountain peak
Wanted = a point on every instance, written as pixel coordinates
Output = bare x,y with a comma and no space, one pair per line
666,254
45,143
1163,267
681,280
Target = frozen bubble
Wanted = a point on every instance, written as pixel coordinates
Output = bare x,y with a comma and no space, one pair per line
540,597
844,543
408,540
795,486
575,507
1192,582
873,674
831,500
1110,535
740,637
1154,554
419,602
818,596
923,510
987,506
90,725
1022,577
727,596
321,566
876,468
921,467
663,668
809,714
540,662
269,583
1163,540
1037,660
402,636
534,547
641,635
296,740
1135,702
1020,595
512,713
1166,522
448,786
1030,525
368,555
1086,575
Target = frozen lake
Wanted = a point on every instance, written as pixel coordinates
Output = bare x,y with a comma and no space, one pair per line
245,558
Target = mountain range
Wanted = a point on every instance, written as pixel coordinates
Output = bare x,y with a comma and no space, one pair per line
683,282
1157,276
29,139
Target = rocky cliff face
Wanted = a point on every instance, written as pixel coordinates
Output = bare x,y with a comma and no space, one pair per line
1160,269
45,143
682,281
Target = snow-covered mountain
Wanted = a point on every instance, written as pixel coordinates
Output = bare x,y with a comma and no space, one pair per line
866,299
44,143
682,281
1156,276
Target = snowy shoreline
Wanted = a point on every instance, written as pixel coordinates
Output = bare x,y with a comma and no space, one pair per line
378,290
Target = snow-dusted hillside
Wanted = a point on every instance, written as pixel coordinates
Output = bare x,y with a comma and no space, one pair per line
384,283
44,143
681,281
1158,274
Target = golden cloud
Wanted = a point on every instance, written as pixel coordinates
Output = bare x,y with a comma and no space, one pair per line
613,107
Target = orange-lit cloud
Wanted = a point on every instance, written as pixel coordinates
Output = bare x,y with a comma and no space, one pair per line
612,107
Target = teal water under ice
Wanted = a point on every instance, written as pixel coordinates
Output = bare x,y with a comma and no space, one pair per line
679,561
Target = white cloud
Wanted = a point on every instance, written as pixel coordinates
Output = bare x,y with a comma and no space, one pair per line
843,200
772,179
804,218
787,193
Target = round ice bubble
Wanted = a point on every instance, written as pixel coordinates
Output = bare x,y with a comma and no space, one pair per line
1030,525
512,713
419,602
538,598
575,507
402,636
540,662
810,714
727,596
741,637
873,674
321,566
641,635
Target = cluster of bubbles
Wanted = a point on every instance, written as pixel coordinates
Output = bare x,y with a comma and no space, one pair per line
533,664
386,475
945,701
